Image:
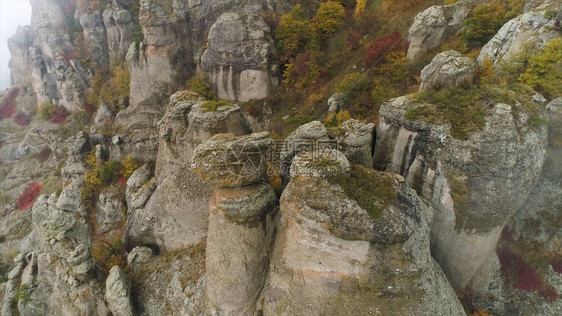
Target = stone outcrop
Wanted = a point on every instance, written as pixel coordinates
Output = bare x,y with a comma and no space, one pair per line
535,29
95,36
138,257
118,24
532,236
353,138
237,243
240,59
118,293
447,69
332,256
435,26
471,184
171,210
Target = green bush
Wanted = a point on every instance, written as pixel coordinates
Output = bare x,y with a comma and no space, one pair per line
545,70
212,106
199,84
45,111
372,190
484,22
462,107
23,295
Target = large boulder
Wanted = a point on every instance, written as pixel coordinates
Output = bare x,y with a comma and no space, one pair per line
118,293
118,24
470,183
531,29
435,26
240,59
353,241
447,69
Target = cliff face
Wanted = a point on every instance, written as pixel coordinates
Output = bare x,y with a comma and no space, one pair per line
169,203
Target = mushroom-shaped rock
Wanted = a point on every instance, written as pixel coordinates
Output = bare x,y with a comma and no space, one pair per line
118,293
229,161
342,232
447,69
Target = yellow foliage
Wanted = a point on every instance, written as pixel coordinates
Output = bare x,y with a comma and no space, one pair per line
128,165
328,19
360,7
91,159
273,177
337,119
481,312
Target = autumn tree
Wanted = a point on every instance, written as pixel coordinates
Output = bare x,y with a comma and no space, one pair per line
293,33
328,19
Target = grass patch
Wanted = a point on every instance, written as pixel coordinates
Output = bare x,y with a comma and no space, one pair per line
372,190
79,121
463,107
212,106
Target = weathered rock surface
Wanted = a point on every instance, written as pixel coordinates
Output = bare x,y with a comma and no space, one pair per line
356,141
229,161
138,257
171,283
533,236
118,293
447,69
240,59
118,24
533,28
237,243
331,257
471,184
435,26
171,211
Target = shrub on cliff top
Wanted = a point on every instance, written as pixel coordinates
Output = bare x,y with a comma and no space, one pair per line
545,70
27,197
372,190
199,84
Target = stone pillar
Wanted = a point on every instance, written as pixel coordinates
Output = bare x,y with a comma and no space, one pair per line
237,243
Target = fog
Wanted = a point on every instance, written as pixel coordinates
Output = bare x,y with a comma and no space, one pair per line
13,13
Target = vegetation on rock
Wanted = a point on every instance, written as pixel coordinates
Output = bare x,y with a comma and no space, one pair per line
27,197
372,190
199,84
8,103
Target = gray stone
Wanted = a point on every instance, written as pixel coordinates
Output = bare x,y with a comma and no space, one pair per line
138,257
118,293
532,28
330,256
435,26
356,141
335,102
240,59
229,161
447,69
103,115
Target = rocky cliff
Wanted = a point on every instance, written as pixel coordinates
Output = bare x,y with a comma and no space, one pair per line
246,195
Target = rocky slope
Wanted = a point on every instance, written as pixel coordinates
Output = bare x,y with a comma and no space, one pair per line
168,202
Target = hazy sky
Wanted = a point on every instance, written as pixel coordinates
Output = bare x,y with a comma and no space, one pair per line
13,13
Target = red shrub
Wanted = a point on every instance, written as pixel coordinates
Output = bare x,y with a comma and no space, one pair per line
89,108
44,154
383,45
556,265
122,180
22,119
8,103
58,115
507,234
27,197
520,275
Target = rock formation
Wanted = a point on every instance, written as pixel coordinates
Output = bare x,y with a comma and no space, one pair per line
447,69
237,243
333,255
470,183
118,293
241,58
435,26
531,29
171,211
